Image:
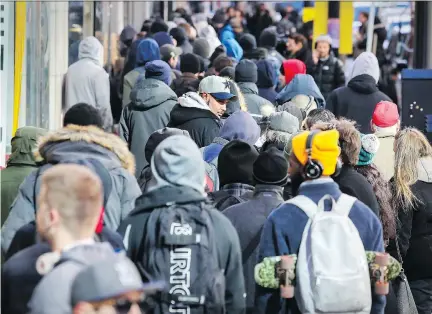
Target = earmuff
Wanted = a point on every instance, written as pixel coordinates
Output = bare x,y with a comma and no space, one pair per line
313,168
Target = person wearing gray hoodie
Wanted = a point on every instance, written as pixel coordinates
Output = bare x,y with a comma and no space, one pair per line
177,185
86,81
358,99
70,201
149,110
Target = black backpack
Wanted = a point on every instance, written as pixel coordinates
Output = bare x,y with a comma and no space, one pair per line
179,247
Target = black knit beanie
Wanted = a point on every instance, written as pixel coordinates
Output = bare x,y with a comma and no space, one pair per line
247,42
190,63
83,115
158,25
235,163
268,38
228,72
271,167
157,137
246,71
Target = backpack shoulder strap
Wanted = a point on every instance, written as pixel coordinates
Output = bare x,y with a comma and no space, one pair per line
305,204
344,204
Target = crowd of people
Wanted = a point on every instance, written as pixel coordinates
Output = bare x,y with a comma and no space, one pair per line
209,151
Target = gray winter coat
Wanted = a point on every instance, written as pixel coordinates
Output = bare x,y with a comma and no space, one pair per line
87,82
151,104
77,142
53,293
254,102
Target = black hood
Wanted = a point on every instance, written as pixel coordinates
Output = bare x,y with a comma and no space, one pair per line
180,115
255,54
149,93
363,84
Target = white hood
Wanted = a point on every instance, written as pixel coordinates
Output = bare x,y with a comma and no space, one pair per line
193,100
424,168
91,48
366,63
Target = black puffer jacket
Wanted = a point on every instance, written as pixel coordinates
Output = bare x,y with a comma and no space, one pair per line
152,102
193,115
415,227
328,74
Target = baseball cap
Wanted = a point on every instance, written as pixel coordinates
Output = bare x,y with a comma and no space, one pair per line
216,86
168,51
385,114
108,279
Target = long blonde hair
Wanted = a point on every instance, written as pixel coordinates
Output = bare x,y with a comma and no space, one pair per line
410,146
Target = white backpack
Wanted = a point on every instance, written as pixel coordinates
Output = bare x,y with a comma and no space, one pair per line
332,273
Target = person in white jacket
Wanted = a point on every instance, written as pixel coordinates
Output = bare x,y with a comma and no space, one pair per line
86,81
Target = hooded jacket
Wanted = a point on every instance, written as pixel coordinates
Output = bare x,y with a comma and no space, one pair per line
239,126
147,50
227,243
253,100
78,142
193,115
19,165
267,80
414,227
178,174
88,82
301,84
149,110
248,219
52,294
358,99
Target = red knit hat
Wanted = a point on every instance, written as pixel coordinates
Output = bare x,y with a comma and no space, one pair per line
385,114
291,68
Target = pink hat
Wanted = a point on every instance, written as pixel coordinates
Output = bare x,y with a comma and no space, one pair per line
385,114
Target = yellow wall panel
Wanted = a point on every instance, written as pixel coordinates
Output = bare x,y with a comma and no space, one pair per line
346,18
320,19
20,36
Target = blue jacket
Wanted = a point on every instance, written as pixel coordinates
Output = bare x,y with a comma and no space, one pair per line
283,232
302,84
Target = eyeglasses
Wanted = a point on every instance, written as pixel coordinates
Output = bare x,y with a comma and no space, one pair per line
123,306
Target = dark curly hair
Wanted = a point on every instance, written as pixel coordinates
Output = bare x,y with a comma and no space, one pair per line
383,194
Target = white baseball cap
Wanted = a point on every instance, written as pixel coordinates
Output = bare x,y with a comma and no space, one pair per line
216,86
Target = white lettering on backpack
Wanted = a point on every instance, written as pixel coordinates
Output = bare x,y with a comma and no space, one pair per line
179,229
180,259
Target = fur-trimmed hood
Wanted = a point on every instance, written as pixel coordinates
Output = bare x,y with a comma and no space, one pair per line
80,142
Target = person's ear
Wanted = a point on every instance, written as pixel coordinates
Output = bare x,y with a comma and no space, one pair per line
372,127
83,308
398,126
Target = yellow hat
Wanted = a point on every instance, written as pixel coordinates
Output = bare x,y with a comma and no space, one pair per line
324,148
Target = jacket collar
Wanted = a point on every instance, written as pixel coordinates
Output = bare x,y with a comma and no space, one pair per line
88,134
189,75
166,196
248,88
237,188
277,191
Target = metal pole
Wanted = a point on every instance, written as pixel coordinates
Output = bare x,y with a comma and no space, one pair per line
109,38
370,28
